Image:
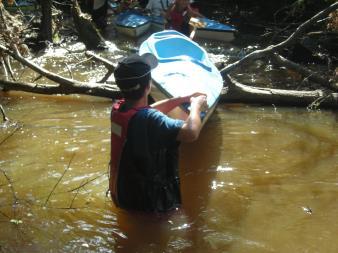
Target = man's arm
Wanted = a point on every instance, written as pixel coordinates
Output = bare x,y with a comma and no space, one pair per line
169,104
192,126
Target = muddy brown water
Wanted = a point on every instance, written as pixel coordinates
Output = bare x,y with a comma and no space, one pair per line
259,179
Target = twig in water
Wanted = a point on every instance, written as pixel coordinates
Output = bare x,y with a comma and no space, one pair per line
4,117
10,184
87,182
70,71
50,194
10,135
315,104
37,78
76,193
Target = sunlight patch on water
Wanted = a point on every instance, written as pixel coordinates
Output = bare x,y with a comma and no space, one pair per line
182,227
224,168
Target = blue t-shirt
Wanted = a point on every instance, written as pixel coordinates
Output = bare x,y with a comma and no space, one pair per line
148,177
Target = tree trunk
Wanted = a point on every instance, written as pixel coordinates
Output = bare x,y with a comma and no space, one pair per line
46,28
240,93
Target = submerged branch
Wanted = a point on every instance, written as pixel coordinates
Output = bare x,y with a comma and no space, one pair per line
75,195
10,184
87,182
10,135
57,183
4,117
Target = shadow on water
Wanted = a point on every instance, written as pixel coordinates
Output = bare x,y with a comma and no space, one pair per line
177,231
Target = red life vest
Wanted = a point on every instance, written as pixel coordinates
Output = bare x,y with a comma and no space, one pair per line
119,128
177,19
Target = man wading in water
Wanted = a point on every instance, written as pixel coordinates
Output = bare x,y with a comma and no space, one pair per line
144,174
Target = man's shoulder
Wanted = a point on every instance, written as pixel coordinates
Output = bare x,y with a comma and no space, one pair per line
156,117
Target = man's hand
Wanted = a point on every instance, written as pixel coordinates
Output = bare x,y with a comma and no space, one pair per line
187,99
192,126
199,102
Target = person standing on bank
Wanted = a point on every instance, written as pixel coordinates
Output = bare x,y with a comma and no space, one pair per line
144,174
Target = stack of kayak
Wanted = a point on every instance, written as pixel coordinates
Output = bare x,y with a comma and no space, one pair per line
183,69
135,24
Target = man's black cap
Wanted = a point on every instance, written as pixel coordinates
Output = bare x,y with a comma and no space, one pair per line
130,70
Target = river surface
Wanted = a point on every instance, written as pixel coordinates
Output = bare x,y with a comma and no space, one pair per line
259,179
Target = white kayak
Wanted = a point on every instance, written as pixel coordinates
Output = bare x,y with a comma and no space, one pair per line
183,68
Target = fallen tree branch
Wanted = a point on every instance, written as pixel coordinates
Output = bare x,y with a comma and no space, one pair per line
239,93
65,85
235,92
98,90
51,76
290,40
309,74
